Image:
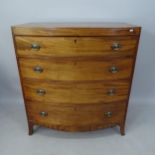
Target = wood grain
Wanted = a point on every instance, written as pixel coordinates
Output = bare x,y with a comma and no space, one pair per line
58,93
76,29
68,70
76,117
76,59
75,46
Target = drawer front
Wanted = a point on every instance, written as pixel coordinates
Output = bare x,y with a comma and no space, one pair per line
76,93
75,46
72,70
76,117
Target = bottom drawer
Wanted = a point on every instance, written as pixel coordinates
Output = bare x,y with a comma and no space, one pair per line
76,117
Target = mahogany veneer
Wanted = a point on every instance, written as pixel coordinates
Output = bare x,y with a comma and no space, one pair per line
76,76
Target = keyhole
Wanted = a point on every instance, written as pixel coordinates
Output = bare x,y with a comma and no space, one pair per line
75,63
75,41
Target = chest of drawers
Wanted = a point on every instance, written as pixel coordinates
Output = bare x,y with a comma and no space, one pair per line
76,77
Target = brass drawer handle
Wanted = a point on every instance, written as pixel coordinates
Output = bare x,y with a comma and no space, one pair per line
111,92
41,92
108,114
35,47
116,46
113,69
43,114
38,69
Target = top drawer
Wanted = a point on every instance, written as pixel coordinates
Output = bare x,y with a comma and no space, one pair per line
75,46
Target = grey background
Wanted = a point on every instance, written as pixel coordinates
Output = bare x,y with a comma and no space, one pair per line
138,12
140,125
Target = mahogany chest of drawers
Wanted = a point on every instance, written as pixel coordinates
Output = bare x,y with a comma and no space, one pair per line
76,77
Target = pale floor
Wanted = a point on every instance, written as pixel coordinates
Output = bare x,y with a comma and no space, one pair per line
139,138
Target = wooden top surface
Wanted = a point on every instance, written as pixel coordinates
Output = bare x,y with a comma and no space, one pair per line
77,25
75,29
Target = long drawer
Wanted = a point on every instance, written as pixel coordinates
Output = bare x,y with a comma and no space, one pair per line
76,117
64,93
75,46
76,70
